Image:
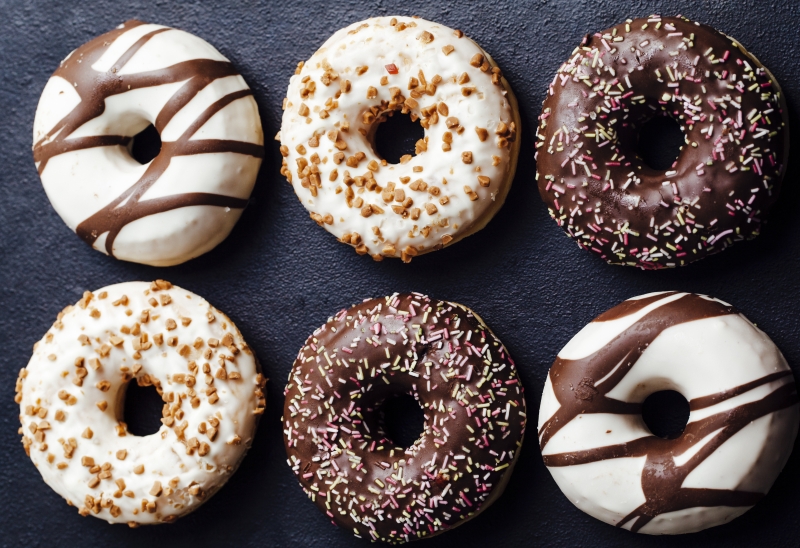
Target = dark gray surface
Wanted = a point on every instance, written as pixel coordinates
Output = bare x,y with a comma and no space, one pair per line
279,275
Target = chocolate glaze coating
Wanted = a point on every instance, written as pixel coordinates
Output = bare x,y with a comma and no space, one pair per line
451,363
727,175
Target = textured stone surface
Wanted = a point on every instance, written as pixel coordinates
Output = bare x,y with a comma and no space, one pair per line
279,276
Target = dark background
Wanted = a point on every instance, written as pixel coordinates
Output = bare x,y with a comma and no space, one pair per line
279,276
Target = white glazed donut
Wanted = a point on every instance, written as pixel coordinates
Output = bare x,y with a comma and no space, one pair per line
187,199
742,425
463,167
72,392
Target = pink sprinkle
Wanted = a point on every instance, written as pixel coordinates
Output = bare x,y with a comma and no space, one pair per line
345,349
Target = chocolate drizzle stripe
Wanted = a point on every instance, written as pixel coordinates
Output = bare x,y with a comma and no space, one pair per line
708,401
662,478
45,152
631,306
95,87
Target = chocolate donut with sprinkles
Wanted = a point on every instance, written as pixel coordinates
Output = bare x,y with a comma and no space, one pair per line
443,355
727,175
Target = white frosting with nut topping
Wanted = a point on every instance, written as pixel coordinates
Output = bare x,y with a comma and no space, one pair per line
462,166
72,392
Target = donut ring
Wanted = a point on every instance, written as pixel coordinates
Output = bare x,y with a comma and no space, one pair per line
186,200
72,392
463,167
743,415
734,119
443,355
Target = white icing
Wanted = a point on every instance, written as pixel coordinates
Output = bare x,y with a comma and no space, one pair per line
690,520
607,493
549,404
52,369
374,43
696,358
80,183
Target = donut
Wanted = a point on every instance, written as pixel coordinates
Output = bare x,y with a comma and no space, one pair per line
71,397
463,167
727,175
186,200
742,424
443,355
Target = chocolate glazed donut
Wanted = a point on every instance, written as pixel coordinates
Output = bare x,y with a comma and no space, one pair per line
443,355
727,175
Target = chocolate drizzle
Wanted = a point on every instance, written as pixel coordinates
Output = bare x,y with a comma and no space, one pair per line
662,478
95,87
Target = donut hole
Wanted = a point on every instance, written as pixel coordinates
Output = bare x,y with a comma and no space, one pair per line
396,136
402,420
146,145
660,142
141,409
666,414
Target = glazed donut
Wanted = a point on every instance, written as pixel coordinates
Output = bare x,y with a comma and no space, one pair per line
187,199
734,119
71,396
463,167
443,355
742,424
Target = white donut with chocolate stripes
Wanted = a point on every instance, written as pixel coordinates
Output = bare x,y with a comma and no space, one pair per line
742,425
463,167
72,392
188,198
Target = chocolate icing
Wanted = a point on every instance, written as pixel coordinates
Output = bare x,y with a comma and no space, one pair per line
606,198
449,361
95,87
662,478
